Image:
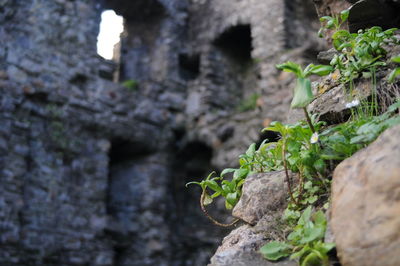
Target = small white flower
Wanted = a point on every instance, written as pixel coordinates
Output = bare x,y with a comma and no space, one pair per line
314,138
352,103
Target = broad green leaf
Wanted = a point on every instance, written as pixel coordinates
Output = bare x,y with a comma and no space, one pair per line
394,74
312,259
291,67
305,217
251,150
394,107
344,15
313,233
216,194
325,18
228,170
228,206
302,93
312,199
320,70
240,173
275,250
319,218
231,198
213,185
241,182
396,59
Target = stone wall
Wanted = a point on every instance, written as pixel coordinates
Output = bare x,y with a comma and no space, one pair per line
93,173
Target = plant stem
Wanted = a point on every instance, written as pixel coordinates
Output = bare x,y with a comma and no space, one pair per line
287,173
308,120
203,208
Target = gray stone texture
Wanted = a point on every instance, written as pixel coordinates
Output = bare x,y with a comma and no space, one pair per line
93,173
366,204
240,248
263,195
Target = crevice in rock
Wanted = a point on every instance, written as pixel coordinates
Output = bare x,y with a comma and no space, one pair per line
236,43
189,66
192,162
268,136
142,10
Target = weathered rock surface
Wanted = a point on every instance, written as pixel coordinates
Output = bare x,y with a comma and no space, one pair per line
263,195
366,204
240,248
92,173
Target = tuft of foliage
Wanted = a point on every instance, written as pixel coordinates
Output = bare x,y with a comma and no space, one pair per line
334,22
304,243
130,84
302,92
249,103
360,52
309,149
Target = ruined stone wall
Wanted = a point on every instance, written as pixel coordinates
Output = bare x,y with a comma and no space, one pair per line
93,173
60,119
278,31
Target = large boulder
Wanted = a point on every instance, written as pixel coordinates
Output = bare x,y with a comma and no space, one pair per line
263,194
366,204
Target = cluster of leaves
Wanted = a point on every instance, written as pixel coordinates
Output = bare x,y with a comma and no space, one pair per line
307,153
231,189
360,52
333,23
305,242
302,92
130,84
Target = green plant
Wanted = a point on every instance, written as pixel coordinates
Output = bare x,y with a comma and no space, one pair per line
130,84
305,242
396,71
249,103
302,92
335,22
360,52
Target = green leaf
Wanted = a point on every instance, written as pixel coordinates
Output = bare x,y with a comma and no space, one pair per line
311,234
394,107
228,170
228,206
321,70
275,250
305,217
302,93
319,218
251,150
396,59
213,185
325,18
394,74
344,15
312,259
240,173
291,67
231,198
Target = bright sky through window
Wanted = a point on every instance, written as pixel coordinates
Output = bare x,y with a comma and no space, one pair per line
111,27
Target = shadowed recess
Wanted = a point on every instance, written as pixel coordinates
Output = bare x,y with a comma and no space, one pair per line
236,43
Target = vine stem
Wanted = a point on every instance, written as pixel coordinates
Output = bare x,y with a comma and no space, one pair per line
308,120
203,208
286,172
